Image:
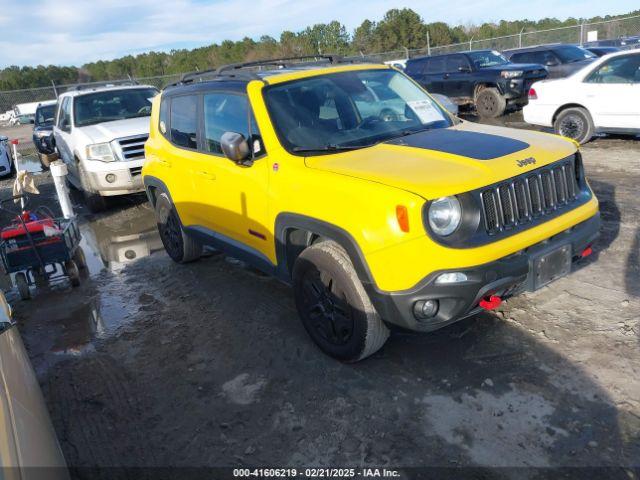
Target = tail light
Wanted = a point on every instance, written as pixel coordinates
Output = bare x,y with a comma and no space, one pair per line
532,94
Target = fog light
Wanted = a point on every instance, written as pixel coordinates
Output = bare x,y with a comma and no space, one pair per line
424,309
452,277
110,178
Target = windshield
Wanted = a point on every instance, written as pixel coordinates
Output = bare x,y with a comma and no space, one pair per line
45,115
487,59
112,105
350,110
570,53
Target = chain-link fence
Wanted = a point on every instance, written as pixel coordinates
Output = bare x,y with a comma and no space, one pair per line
16,126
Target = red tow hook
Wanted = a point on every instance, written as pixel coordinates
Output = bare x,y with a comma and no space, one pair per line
490,303
586,252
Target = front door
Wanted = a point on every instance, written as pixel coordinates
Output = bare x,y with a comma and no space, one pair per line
62,135
235,193
458,84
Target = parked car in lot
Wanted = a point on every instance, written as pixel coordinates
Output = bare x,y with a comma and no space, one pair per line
603,97
416,219
43,127
99,133
602,51
482,78
6,157
561,60
22,120
30,449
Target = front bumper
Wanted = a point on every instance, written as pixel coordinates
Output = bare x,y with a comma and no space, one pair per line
504,277
114,178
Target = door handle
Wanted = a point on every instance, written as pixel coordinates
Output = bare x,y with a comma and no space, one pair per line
446,75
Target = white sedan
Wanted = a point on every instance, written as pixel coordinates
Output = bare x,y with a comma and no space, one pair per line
603,97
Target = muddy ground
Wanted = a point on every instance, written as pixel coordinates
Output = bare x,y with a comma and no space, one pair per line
149,363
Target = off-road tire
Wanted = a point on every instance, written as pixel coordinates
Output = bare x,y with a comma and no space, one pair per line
95,203
80,258
489,103
357,331
23,286
575,123
179,246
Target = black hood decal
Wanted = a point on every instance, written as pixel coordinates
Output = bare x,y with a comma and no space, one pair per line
480,146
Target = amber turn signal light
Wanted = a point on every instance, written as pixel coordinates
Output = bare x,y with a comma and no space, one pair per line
402,215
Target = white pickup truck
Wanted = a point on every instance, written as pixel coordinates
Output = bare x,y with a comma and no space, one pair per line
99,134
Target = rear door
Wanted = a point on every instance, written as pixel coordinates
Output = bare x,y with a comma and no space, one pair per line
612,93
457,78
433,74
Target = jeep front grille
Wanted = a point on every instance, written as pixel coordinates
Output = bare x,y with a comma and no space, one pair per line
519,200
132,147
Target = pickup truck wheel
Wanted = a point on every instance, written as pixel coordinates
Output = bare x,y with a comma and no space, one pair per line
179,246
489,103
333,305
574,123
95,202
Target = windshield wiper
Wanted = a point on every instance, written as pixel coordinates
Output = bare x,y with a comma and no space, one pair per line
327,148
405,133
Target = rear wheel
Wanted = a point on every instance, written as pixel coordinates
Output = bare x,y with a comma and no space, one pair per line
574,123
179,246
23,286
333,305
489,103
80,259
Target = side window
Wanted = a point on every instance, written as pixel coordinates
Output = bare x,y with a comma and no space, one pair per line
548,58
163,122
227,112
522,58
618,70
184,121
457,63
435,65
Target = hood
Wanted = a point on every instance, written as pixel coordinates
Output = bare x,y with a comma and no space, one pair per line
108,131
443,162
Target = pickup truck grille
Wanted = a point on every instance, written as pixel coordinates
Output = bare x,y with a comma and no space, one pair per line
521,199
132,147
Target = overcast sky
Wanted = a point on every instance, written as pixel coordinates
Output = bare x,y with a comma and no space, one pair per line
73,32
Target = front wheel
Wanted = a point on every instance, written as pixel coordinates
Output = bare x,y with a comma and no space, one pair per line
574,123
96,202
333,305
179,246
73,273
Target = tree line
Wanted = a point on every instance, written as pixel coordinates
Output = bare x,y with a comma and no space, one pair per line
399,28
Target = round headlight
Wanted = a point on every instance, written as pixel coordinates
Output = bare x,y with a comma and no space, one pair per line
444,215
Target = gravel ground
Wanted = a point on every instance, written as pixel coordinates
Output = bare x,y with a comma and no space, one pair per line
150,363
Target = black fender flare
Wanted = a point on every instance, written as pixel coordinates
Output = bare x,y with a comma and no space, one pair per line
286,221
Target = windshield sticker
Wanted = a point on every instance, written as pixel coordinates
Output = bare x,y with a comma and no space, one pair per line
426,111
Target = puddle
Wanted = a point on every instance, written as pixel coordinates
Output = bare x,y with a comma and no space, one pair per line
120,239
30,163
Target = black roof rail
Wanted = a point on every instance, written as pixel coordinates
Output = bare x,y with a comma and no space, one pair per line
106,83
241,72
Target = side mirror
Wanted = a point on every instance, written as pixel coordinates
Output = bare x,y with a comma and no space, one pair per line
64,124
551,63
447,103
234,146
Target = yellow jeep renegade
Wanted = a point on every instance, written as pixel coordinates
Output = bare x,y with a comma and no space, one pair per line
351,183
